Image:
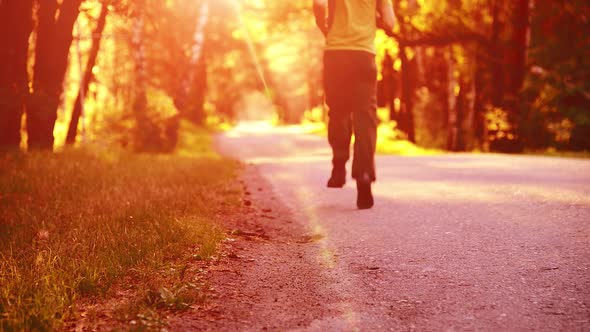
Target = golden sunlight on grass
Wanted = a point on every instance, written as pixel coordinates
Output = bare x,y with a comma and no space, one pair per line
73,223
388,142
389,139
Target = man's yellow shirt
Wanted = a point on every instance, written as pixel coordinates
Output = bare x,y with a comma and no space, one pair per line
354,25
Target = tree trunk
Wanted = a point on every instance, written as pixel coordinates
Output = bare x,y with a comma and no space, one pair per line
388,87
198,91
460,112
54,39
479,121
406,123
519,43
516,65
197,80
407,100
452,105
144,131
15,28
511,80
190,97
96,40
495,51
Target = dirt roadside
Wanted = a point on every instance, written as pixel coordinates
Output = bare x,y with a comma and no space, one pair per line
269,276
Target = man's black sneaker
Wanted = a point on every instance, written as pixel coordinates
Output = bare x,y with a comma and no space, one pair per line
364,199
338,178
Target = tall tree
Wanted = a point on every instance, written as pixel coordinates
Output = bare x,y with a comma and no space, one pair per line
407,96
87,78
190,96
453,118
516,61
144,129
387,86
408,71
559,89
478,124
54,38
15,28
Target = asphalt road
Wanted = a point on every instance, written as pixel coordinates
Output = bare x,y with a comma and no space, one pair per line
454,242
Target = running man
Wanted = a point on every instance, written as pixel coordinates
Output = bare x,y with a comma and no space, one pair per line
350,81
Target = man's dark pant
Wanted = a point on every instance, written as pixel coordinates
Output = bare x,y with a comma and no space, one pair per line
350,80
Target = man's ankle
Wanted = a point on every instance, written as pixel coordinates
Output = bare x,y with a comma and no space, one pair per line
338,176
364,193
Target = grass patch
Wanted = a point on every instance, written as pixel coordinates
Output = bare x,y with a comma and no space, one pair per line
389,142
551,152
389,139
75,222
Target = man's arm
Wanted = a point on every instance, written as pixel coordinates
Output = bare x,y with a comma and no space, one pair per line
319,11
386,15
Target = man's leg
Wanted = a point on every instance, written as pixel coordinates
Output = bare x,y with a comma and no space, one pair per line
365,129
340,120
365,132
339,137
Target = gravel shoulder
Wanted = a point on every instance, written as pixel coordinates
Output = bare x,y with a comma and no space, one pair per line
268,277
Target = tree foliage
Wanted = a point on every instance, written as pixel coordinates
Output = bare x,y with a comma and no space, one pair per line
460,75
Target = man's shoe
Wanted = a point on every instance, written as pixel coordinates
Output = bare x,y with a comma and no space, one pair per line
338,178
364,199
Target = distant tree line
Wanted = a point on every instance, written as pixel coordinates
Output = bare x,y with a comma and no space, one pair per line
459,75
491,74
156,41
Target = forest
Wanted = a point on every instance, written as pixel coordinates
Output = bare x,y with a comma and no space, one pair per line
471,75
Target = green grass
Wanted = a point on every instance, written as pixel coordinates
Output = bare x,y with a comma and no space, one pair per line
388,140
74,223
561,154
391,141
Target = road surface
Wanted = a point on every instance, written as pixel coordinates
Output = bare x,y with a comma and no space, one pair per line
454,242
